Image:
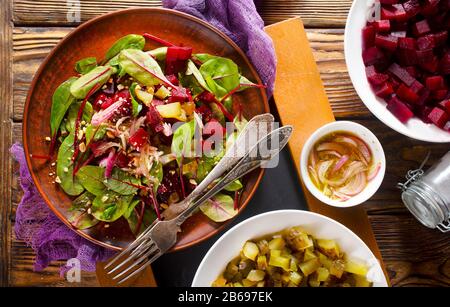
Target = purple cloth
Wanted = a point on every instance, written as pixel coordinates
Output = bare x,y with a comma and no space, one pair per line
241,22
50,238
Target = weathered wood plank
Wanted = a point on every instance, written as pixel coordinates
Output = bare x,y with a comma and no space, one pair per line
315,13
22,261
5,138
31,45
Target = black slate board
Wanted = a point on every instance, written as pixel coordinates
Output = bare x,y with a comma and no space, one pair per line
279,189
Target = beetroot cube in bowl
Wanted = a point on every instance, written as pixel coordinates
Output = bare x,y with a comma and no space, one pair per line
434,83
399,109
438,117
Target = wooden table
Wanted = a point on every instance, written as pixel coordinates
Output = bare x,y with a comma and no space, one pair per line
413,254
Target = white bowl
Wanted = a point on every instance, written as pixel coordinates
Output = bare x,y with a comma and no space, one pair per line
375,147
229,245
414,128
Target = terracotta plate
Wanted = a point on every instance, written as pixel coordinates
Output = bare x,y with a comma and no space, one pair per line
93,38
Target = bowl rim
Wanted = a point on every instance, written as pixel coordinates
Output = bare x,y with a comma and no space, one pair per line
354,75
342,126
68,37
253,219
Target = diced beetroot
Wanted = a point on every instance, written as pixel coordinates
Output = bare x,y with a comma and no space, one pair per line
173,79
406,94
412,8
402,74
139,138
432,65
399,109
430,7
387,42
179,94
444,64
447,126
399,34
372,56
406,57
421,28
154,119
407,43
385,90
383,25
122,159
395,83
424,97
435,83
388,1
426,42
440,94
440,38
394,12
424,55
125,108
102,102
205,112
176,59
412,70
368,33
207,97
422,112
445,104
438,117
374,77
416,87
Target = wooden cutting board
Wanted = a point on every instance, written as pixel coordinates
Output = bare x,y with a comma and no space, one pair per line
301,101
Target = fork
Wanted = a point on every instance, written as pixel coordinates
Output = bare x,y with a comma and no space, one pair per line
163,235
259,125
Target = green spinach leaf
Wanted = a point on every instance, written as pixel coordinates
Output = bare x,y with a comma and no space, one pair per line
234,186
118,182
72,115
142,67
99,75
194,71
136,106
92,178
131,41
86,65
220,208
78,213
221,75
110,206
182,140
64,168
61,101
159,53
149,218
95,133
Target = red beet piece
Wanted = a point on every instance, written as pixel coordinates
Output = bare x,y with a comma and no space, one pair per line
438,117
406,94
387,42
102,102
406,43
173,79
440,38
422,112
416,87
412,8
176,59
412,70
426,42
207,97
430,7
440,94
421,28
434,83
374,77
444,64
431,65
205,113
139,138
399,34
383,25
122,159
368,33
445,104
154,119
372,56
394,12
402,74
424,97
399,109
179,94
385,90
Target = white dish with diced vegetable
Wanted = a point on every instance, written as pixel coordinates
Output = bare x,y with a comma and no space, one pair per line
318,227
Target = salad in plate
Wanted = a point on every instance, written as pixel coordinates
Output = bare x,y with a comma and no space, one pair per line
137,131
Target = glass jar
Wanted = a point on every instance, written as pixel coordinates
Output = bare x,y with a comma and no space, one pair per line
427,194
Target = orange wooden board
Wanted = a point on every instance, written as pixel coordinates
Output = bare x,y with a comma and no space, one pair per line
301,101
